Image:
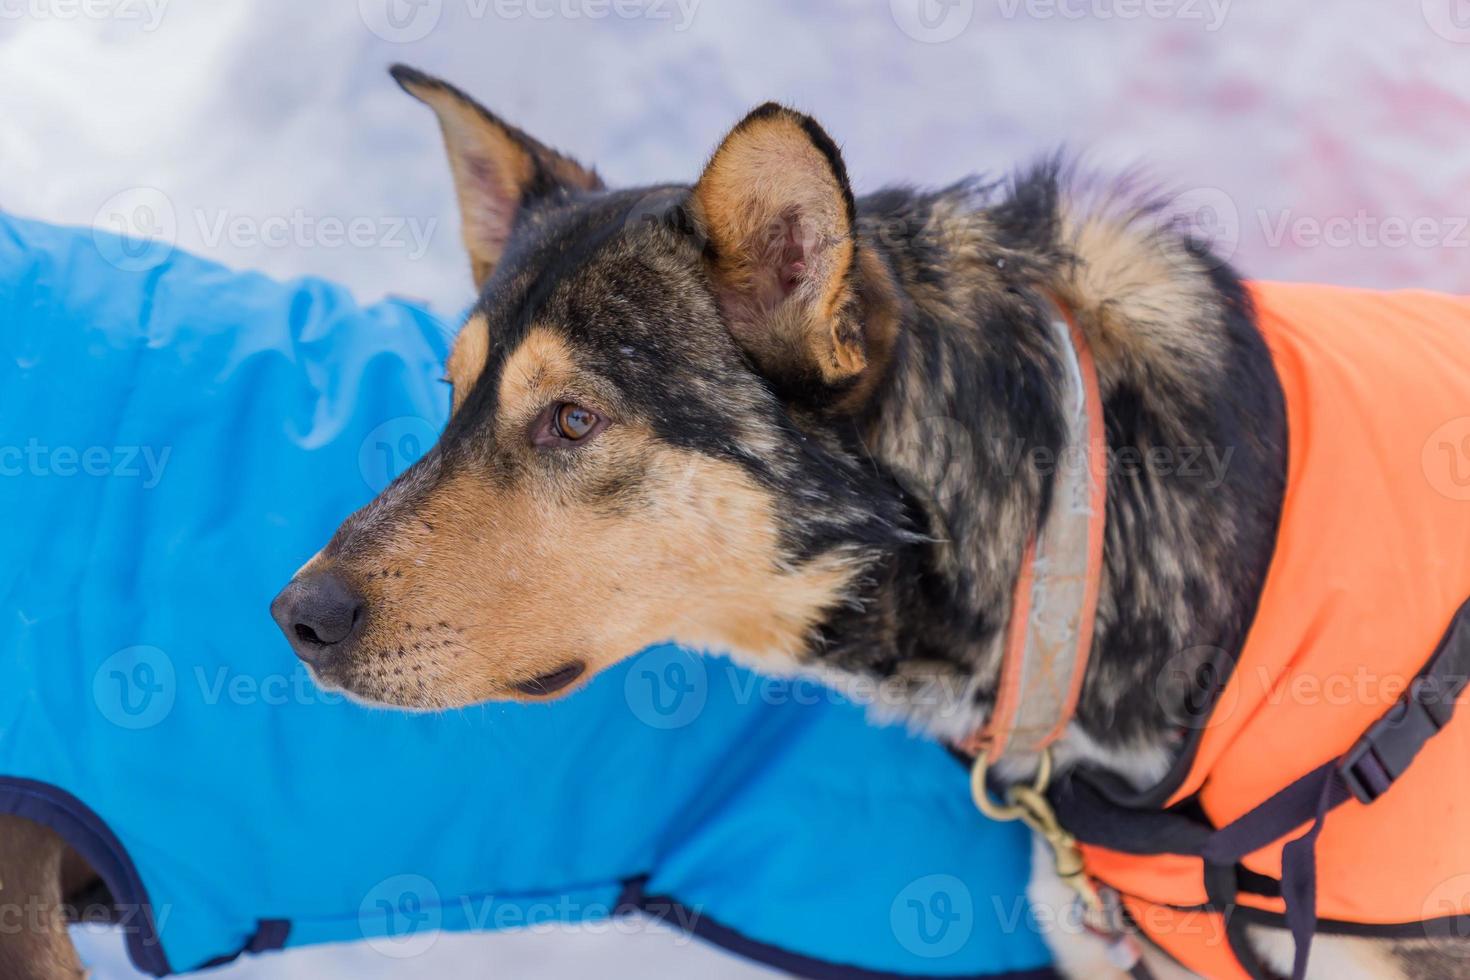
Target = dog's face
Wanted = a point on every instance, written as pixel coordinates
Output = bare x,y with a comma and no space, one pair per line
645,441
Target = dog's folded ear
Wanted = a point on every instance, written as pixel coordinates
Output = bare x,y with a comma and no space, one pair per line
497,168
779,215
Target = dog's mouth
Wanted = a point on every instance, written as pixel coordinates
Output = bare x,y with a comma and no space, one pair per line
554,681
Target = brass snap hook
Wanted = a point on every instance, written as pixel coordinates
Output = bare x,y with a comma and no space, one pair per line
1030,805
980,792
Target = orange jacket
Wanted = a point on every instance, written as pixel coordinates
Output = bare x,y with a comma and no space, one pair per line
1371,567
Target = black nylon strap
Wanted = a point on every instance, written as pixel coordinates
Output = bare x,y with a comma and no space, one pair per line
1366,771
1091,816
1390,744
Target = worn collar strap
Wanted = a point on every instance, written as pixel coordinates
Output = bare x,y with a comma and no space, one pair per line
1054,605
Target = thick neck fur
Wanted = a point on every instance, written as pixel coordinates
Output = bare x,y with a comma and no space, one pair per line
965,419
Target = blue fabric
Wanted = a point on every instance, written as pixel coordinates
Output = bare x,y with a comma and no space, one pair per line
175,439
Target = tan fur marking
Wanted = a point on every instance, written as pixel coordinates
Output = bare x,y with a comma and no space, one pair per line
539,369
467,358
1140,296
520,576
766,181
33,876
528,579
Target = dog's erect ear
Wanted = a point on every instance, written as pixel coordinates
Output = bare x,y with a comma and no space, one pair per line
497,168
777,208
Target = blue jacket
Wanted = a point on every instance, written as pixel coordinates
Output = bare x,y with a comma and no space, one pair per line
175,439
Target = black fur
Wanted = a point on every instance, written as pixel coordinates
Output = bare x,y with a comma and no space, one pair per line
972,351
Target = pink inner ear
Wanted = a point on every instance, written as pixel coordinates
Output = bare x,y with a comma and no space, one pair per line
782,262
792,255
493,213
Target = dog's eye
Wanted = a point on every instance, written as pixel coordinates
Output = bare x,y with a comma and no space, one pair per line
574,422
564,424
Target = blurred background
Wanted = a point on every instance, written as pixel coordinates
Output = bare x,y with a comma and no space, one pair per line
1308,141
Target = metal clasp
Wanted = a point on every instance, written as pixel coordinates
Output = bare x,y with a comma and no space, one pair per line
1028,804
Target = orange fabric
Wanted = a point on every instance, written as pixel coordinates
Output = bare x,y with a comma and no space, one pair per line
1372,561
1194,938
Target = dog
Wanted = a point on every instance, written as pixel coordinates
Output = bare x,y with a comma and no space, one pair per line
760,415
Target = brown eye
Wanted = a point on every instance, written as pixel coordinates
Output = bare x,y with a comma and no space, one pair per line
574,422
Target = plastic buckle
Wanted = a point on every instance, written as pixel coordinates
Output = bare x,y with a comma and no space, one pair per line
1390,744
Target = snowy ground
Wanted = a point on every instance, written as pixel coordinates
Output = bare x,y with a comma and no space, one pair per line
1312,141
631,951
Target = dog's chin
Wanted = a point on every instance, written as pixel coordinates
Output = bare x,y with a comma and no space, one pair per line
383,692
394,692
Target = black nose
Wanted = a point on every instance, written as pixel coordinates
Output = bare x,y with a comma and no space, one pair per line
319,615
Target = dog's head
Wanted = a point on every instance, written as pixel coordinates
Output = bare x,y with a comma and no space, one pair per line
651,434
